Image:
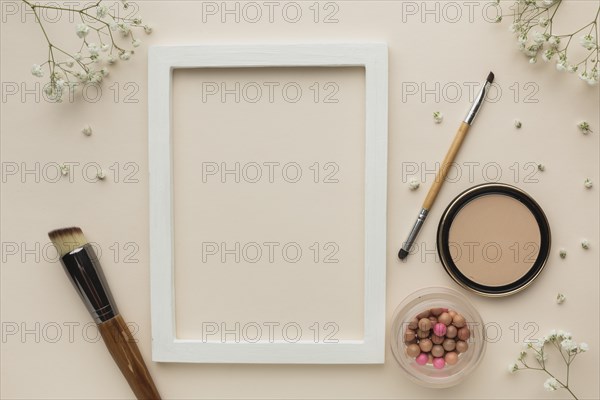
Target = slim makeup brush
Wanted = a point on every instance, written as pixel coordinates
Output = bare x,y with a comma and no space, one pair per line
83,269
443,172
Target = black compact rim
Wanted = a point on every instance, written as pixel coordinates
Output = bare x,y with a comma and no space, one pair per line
465,198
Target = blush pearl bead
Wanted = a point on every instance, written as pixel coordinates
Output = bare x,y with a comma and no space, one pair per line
461,346
413,324
437,351
449,344
445,318
424,324
425,345
451,332
458,321
451,358
422,334
436,312
439,329
413,350
422,359
464,333
437,339
439,363
409,335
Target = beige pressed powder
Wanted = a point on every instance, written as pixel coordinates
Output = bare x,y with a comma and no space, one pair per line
494,239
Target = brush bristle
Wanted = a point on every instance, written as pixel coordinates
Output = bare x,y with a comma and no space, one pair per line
402,254
67,239
490,77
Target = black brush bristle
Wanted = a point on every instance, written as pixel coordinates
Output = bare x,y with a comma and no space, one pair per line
402,254
490,77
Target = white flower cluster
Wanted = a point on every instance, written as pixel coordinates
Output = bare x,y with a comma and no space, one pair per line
92,65
533,26
561,340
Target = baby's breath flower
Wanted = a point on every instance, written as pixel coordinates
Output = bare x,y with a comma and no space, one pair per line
585,244
126,55
87,130
512,368
588,183
64,169
533,23
104,48
36,70
101,11
562,253
136,43
93,49
518,124
147,29
111,59
413,183
583,347
548,54
438,117
538,37
82,30
551,384
584,127
124,28
77,57
568,345
563,335
560,298
101,175
588,41
541,167
541,357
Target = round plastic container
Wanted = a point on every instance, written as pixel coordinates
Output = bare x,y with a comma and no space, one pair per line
437,297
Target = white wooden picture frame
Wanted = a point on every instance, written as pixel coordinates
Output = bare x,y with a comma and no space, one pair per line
166,347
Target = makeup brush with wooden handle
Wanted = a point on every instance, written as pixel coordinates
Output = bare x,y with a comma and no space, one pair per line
441,176
83,269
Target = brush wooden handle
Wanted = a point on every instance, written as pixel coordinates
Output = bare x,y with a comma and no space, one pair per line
441,176
124,350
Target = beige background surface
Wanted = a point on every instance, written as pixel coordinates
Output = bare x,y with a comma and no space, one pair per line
54,352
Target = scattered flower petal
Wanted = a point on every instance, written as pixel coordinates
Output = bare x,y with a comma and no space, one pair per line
413,184
584,127
562,253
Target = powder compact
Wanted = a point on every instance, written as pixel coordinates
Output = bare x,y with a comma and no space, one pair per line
493,239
